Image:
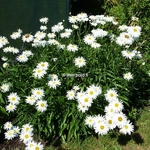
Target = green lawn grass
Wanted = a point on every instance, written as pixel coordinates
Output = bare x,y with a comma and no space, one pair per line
139,140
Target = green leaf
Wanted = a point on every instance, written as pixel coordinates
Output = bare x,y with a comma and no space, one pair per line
3,111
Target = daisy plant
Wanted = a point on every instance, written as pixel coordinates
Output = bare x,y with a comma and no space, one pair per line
72,82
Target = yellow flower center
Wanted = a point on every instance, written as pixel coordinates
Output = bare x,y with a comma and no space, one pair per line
27,35
89,38
39,71
37,148
31,145
80,60
26,136
91,92
126,36
27,128
102,127
13,98
111,110
116,105
54,82
31,98
42,105
128,52
90,120
38,92
126,127
111,95
110,121
135,30
86,100
120,119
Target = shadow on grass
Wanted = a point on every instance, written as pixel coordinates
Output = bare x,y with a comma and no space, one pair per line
124,139
55,143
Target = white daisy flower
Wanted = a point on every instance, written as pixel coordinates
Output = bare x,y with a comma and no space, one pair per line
109,110
91,91
27,128
51,35
25,137
135,31
28,53
16,130
57,28
5,65
72,19
101,128
95,45
82,108
70,94
4,58
98,119
76,88
128,76
109,18
3,41
110,122
89,39
38,93
43,28
13,98
5,87
120,119
75,26
128,54
27,38
127,128
54,83
111,95
8,125
15,51
72,48
43,65
30,100
116,105
53,42
80,62
127,38
41,105
40,35
30,145
22,58
99,33
53,77
89,121
39,73
11,107
85,100
82,17
9,135
123,27
65,34
15,35
44,20
38,146
80,94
